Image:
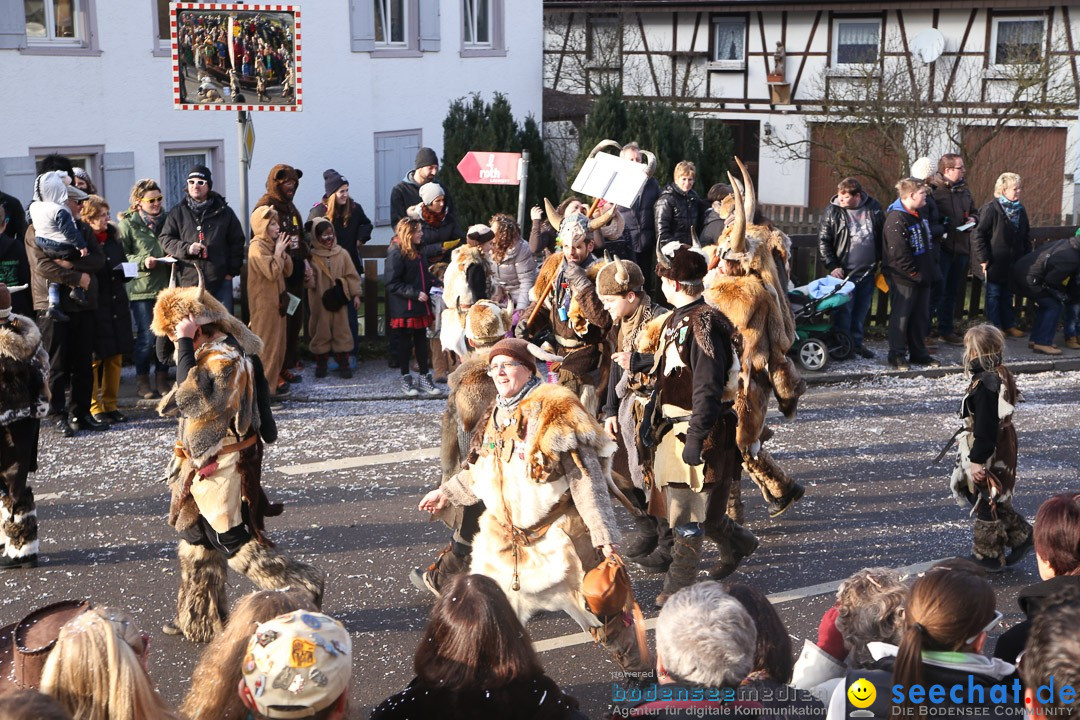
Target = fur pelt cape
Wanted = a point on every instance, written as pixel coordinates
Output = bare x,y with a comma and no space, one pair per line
468,405
24,371
1002,462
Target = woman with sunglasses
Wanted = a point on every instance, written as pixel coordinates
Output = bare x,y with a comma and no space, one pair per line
139,228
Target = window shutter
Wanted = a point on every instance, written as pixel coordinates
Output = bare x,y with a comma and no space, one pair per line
12,25
362,25
17,176
119,171
429,25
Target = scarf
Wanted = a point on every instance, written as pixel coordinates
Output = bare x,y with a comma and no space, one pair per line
1012,210
102,236
150,220
432,218
511,403
198,207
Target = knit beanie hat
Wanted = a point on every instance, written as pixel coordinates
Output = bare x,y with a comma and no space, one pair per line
920,169
426,156
201,172
619,277
430,191
5,303
515,348
332,182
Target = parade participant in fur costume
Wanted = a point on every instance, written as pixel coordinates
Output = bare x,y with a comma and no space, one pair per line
467,279
572,312
984,475
472,394
621,287
744,286
335,274
542,469
218,504
689,425
24,400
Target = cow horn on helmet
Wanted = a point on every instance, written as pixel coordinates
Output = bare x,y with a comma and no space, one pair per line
172,275
603,219
603,144
750,200
553,216
621,275
694,241
650,166
737,243
202,279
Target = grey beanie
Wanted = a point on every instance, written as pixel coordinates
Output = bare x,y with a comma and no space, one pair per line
430,191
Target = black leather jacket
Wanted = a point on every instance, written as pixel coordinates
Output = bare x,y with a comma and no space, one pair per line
676,213
834,240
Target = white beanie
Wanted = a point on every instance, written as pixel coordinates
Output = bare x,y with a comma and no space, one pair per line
430,191
921,168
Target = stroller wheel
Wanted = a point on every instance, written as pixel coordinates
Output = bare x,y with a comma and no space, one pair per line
812,354
841,346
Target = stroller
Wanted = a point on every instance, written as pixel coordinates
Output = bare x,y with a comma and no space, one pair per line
816,338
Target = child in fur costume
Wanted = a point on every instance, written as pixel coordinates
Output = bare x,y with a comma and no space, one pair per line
468,279
335,273
984,475
218,504
744,286
543,470
24,400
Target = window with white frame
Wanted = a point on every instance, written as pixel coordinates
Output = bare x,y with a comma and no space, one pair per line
477,20
603,44
856,42
56,22
162,36
1018,40
391,23
728,43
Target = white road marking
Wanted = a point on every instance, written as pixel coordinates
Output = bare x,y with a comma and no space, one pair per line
360,461
785,596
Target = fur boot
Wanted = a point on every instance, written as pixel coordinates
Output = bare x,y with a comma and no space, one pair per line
1019,537
201,604
164,384
618,638
440,362
734,543
271,569
779,490
988,547
685,556
18,531
143,389
735,508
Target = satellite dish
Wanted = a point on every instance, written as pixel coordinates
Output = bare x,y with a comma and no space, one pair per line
928,45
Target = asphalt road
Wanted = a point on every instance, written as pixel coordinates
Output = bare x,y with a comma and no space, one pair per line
863,452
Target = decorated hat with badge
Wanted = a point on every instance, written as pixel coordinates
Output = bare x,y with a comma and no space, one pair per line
296,665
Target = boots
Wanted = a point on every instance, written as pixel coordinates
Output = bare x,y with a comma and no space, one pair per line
619,638
685,555
779,490
736,510
18,531
453,559
343,369
161,378
1019,537
143,389
659,559
200,602
645,538
271,569
988,546
320,364
734,543
439,363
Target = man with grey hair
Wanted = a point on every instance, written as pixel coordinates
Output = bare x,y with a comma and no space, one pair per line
704,637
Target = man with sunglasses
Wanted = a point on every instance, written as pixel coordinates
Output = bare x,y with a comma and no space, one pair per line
203,229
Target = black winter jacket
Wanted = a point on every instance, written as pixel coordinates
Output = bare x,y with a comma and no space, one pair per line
676,213
640,218
405,280
15,270
955,203
407,193
113,315
223,237
1045,271
998,243
909,257
350,237
1031,600
834,238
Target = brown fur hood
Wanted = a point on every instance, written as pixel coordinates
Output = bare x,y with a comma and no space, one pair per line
558,423
175,304
19,338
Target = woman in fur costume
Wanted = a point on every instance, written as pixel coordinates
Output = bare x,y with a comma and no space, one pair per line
218,504
24,400
984,475
328,330
269,264
542,470
745,286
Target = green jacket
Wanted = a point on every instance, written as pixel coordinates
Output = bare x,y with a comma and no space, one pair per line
140,242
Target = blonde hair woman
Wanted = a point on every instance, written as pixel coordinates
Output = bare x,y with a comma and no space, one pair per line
97,670
1002,236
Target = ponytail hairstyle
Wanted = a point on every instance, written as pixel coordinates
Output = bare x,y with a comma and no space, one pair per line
947,607
408,233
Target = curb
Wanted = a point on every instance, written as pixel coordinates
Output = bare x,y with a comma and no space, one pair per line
1020,368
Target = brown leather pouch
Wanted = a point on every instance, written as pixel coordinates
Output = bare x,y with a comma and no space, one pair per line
606,586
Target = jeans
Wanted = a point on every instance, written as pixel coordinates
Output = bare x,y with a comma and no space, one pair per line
908,312
851,316
999,305
943,302
1071,320
223,292
1047,312
142,311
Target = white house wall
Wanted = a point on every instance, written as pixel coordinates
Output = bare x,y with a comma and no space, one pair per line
122,99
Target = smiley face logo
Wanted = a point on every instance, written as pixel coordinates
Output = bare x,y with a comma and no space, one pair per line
862,693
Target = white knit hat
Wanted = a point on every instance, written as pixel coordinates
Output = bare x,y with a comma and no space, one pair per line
921,168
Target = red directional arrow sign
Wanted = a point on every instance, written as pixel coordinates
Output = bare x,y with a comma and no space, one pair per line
490,168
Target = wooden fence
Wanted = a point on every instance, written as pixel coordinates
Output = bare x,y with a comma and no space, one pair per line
806,265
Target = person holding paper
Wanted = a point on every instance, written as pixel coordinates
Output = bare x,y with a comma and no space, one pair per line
269,263
112,335
679,209
139,228
958,209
